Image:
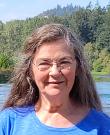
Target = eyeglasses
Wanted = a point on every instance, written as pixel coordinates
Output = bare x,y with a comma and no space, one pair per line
47,64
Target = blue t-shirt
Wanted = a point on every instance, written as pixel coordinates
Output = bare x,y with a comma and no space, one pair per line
23,121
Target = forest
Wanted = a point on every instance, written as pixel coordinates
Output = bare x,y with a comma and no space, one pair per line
91,24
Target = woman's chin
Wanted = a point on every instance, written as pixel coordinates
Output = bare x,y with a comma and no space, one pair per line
53,92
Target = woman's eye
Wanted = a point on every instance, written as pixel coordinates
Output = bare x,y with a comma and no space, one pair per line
41,64
65,62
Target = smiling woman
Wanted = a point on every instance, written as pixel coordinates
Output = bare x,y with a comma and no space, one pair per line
55,74
53,91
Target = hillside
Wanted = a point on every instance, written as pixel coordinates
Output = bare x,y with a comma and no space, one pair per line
60,11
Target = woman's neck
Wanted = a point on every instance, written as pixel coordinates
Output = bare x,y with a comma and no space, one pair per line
54,105
60,114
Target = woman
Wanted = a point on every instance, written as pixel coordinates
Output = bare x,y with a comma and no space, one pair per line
53,92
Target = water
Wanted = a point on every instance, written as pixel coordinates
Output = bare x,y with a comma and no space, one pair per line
103,89
4,91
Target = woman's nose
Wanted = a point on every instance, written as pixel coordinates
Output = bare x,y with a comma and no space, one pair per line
54,70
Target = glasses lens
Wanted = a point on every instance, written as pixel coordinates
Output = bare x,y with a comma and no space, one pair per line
43,67
61,64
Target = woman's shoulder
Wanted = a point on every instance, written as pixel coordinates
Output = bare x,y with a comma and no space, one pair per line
9,117
100,115
7,112
13,112
100,118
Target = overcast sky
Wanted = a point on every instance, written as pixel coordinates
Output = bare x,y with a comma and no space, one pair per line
22,9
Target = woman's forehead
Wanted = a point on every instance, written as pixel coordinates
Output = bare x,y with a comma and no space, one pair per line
56,47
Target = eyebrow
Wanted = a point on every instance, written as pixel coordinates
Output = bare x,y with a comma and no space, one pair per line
60,58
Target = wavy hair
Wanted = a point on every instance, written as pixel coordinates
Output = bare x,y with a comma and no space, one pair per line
24,90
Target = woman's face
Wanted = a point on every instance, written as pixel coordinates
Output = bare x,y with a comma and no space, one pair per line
54,69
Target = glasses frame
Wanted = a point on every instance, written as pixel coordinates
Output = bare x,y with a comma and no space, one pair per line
51,63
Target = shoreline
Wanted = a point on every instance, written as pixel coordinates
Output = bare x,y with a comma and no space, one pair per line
6,75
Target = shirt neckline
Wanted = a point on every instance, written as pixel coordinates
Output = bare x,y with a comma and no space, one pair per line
74,127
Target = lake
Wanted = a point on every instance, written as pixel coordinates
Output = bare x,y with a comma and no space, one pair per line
103,89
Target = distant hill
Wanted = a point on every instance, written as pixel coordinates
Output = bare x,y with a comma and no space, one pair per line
60,11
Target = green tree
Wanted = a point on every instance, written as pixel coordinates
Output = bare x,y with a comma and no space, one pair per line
5,61
91,53
97,65
80,23
103,38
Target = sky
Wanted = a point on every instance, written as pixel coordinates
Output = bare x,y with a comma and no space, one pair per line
22,9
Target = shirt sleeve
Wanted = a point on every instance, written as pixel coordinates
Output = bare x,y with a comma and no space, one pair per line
6,122
2,123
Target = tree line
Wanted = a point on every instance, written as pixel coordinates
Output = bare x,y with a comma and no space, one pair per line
92,25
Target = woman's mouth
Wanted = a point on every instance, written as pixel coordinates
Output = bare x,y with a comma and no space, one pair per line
53,82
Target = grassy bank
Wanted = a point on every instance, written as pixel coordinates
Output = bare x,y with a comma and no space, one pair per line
5,76
98,76
101,76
